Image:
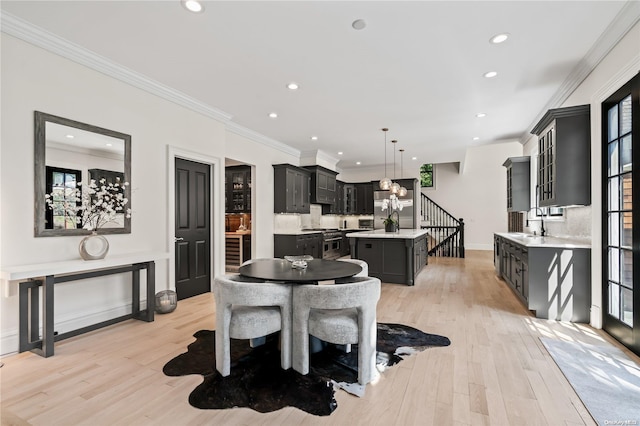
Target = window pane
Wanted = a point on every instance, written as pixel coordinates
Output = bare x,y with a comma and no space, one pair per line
625,154
625,116
614,300
613,123
627,196
613,158
614,264
627,230
614,229
614,197
627,306
58,179
627,268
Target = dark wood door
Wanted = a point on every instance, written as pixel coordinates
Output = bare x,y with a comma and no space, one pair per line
192,228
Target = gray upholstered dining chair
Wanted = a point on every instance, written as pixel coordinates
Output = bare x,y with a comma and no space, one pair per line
364,265
247,309
340,313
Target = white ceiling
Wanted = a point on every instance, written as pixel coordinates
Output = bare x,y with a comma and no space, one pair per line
417,68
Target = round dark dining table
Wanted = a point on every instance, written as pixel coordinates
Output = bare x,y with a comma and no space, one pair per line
316,270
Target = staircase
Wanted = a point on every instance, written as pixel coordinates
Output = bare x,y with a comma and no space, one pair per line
446,233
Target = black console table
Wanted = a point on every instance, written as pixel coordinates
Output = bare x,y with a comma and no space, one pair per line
49,274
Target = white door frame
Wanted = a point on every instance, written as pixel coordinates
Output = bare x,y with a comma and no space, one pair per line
216,218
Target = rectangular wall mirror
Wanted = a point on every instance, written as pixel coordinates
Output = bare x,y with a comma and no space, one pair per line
68,152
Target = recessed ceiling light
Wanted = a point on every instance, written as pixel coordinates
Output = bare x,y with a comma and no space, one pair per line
339,152
359,24
490,74
475,138
314,138
414,158
499,38
293,86
70,136
358,163
481,114
273,115
109,144
193,6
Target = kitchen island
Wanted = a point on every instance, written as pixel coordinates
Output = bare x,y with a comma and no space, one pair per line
393,257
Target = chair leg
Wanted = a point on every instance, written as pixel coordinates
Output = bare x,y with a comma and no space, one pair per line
300,341
223,344
367,350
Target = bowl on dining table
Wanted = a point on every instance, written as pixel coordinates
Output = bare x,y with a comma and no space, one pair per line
299,262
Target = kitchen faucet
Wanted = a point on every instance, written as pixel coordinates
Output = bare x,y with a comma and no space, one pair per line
542,230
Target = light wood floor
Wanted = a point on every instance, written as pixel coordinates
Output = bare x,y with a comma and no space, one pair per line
495,372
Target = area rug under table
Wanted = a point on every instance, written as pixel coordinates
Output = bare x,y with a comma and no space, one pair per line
257,381
605,379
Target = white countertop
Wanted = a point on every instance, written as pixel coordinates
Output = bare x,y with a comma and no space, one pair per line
407,234
532,241
21,272
294,232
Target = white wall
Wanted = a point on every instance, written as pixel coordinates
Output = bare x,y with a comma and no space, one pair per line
262,158
617,68
34,79
478,194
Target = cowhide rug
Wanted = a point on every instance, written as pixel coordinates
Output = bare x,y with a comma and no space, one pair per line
257,381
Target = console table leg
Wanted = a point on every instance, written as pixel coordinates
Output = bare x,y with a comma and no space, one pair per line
34,328
151,290
135,293
47,316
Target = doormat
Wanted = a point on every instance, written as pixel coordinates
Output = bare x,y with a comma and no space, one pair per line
605,379
258,382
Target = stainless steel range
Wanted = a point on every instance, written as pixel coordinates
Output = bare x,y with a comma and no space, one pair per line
331,242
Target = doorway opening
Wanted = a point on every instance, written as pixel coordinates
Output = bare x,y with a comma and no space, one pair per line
238,208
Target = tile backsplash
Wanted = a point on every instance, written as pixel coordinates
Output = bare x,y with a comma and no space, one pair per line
576,222
315,219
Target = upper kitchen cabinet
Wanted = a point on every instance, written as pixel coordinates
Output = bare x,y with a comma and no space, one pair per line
364,198
564,157
339,206
238,189
323,185
518,183
291,189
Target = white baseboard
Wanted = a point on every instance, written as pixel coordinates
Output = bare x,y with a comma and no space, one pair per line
9,343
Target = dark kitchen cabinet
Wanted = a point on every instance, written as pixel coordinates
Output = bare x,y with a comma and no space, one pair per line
552,282
518,184
338,206
564,157
238,189
295,245
291,189
364,198
323,185
349,199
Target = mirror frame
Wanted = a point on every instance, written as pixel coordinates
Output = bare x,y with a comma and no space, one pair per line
40,119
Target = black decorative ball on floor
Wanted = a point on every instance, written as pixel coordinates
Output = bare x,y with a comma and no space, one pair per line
166,301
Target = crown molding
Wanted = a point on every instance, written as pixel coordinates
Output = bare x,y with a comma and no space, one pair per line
44,39
628,16
260,138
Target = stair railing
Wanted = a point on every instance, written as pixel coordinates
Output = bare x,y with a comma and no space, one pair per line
446,233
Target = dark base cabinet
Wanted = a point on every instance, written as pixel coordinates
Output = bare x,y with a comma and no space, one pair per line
295,245
392,260
553,282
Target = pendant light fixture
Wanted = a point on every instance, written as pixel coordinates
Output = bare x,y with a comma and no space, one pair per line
395,186
402,191
385,182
